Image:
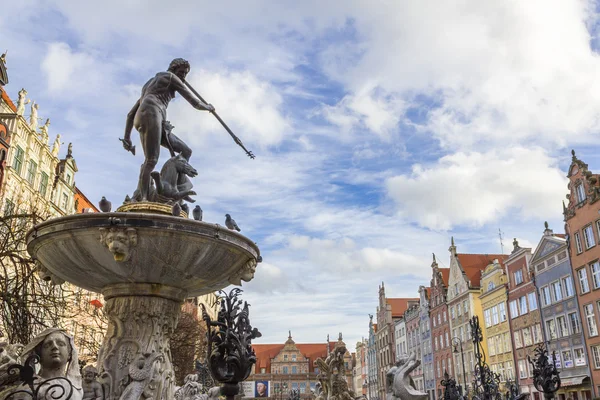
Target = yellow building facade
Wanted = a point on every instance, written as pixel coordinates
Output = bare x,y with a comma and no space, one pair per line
495,322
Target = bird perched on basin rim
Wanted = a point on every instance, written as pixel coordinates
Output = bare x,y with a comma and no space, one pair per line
230,223
176,210
105,205
197,213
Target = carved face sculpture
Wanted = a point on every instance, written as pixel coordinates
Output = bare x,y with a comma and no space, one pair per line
89,374
55,351
249,271
119,242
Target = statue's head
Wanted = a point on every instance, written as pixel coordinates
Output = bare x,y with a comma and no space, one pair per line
179,67
54,351
89,373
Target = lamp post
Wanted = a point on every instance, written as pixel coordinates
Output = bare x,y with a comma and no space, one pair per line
456,342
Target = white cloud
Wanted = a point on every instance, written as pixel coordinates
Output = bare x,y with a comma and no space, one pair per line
344,255
477,188
69,71
249,106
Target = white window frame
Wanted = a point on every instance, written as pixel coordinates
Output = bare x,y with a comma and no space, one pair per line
590,318
584,284
546,296
551,332
588,236
495,319
523,305
596,355
595,270
568,286
532,300
502,311
574,323
580,193
518,276
562,326
514,309
578,244
557,292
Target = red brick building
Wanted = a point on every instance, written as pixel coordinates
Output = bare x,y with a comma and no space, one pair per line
522,285
582,225
440,325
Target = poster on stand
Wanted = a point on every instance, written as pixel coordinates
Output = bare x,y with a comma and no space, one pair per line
248,389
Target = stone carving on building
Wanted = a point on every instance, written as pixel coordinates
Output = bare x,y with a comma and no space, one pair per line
92,390
294,394
44,131
56,146
33,118
246,273
9,354
21,102
332,376
400,385
119,241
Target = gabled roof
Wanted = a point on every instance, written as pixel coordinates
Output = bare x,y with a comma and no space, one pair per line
7,100
548,244
399,306
474,264
312,351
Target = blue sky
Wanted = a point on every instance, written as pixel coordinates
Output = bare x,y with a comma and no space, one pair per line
381,129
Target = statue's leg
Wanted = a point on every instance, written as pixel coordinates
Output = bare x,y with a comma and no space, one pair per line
180,147
150,128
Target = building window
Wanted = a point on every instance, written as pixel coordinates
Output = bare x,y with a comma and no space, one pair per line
518,342
563,329
502,311
551,329
527,340
588,236
578,243
557,290
490,286
465,307
567,359
294,369
580,193
588,309
43,184
452,312
445,316
487,314
446,338
522,369
574,320
285,370
583,281
568,285
598,227
458,310
31,170
293,357
537,333
65,201
595,267
18,160
518,277
523,304
532,301
579,356
546,300
514,309
491,346
495,315
263,370
596,355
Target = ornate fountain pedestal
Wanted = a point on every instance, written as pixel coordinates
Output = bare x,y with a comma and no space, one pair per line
145,265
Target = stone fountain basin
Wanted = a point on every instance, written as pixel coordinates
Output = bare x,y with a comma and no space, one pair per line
196,257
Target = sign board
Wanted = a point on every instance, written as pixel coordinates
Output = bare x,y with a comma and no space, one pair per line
248,389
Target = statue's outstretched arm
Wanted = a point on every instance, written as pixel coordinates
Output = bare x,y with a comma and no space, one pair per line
186,94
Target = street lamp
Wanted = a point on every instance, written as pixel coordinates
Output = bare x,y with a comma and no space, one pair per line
456,342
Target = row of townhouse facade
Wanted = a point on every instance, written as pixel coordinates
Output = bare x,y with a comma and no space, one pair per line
523,299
